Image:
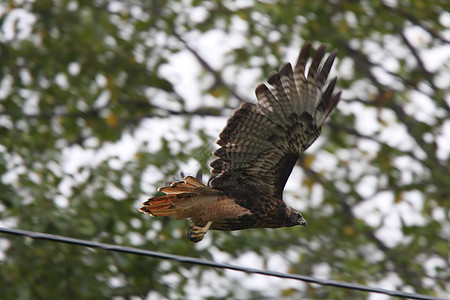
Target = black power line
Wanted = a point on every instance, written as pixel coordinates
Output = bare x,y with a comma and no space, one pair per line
203,262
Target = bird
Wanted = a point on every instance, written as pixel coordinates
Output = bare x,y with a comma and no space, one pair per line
259,147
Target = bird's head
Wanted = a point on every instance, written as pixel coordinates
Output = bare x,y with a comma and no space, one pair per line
294,217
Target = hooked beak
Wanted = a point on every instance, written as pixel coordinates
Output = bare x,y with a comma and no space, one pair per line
302,222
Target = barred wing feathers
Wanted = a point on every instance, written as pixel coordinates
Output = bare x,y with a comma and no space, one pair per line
261,143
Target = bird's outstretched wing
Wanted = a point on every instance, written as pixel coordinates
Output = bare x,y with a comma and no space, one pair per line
261,143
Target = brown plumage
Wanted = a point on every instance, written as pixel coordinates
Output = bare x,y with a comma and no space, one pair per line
259,147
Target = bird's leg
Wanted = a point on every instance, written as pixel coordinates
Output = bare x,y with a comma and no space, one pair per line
196,233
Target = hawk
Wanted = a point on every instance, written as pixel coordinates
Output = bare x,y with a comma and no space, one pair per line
259,147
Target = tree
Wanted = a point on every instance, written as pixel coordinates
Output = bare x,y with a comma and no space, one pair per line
95,112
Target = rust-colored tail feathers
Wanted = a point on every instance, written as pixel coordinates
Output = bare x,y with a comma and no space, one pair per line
183,199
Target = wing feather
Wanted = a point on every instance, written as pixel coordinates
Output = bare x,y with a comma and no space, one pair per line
269,105
261,143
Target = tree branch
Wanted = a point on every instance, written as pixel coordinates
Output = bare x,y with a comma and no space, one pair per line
219,80
420,63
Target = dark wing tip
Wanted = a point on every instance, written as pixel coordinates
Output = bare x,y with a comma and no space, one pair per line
325,70
273,79
333,54
261,89
220,152
216,165
313,69
327,94
286,70
148,201
328,100
302,58
145,209
329,62
332,103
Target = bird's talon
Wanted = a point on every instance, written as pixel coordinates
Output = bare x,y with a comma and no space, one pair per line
196,233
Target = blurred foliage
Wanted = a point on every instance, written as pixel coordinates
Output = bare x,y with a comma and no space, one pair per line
81,75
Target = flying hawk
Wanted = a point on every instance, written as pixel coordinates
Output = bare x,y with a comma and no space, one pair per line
259,147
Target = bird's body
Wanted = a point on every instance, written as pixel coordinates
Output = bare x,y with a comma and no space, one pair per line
242,209
259,148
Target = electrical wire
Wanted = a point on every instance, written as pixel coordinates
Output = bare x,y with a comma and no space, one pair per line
203,262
